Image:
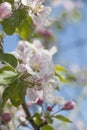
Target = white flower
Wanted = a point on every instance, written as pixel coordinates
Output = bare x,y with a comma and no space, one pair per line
20,118
34,94
47,93
37,11
34,58
37,61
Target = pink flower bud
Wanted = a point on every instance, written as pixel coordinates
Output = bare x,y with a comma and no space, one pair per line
49,108
40,101
45,33
69,105
6,118
5,10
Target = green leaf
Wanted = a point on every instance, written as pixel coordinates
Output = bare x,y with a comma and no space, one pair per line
49,120
60,68
71,77
64,15
37,118
47,127
61,77
7,75
9,25
76,15
59,25
22,15
25,29
15,92
5,95
8,59
0,1
63,118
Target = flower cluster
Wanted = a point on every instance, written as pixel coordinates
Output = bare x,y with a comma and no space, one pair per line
37,11
35,8
37,62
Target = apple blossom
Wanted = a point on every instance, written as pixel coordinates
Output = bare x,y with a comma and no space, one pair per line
69,105
5,10
37,11
41,82
34,59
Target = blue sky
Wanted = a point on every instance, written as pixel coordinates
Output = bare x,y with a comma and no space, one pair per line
72,43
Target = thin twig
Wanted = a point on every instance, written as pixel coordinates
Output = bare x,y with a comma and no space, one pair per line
29,116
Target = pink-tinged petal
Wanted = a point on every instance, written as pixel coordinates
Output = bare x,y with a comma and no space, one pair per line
5,10
46,12
69,105
6,118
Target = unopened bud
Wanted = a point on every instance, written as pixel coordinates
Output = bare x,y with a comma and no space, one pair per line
5,10
6,118
49,108
40,101
69,105
45,33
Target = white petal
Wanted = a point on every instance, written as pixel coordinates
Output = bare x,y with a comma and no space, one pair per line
47,22
46,11
53,50
59,100
26,2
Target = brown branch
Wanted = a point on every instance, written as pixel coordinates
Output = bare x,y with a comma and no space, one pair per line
29,116
36,127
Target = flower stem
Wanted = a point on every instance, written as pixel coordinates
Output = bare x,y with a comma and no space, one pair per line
56,112
36,127
29,116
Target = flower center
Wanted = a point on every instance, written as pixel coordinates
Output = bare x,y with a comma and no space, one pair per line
36,67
